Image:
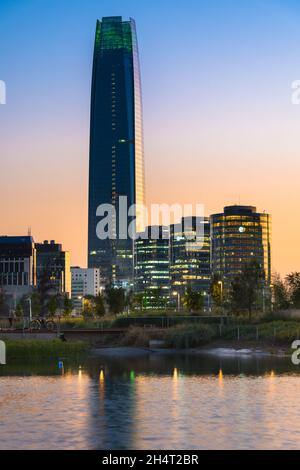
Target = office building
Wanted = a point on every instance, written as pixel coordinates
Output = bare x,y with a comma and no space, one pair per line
54,264
190,257
152,267
239,235
17,267
85,282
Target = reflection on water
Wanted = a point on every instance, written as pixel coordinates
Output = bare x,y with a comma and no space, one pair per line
151,402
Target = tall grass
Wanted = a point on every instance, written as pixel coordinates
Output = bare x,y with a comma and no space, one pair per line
44,349
189,336
179,337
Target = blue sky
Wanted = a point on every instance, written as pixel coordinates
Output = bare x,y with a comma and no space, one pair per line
219,126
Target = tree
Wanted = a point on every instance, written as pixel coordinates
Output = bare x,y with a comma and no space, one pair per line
293,283
280,293
88,307
99,305
67,306
192,300
116,299
216,289
52,305
139,300
46,292
93,306
246,285
35,303
4,309
19,311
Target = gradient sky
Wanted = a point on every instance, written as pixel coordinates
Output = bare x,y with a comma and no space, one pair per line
219,124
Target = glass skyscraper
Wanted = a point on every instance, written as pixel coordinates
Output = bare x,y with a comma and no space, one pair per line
116,143
240,235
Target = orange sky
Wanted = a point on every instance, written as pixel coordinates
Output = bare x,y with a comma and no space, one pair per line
219,124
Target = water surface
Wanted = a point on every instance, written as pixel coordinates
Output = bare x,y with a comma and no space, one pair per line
151,402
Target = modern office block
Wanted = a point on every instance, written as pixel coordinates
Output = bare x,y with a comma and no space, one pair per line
152,267
190,256
17,267
54,263
239,235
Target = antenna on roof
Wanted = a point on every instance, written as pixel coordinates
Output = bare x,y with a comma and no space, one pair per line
29,231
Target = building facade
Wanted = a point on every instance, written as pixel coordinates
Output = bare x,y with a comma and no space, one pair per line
152,267
85,281
190,257
116,145
17,268
239,235
54,263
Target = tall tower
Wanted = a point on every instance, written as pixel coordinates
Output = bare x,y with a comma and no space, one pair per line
116,143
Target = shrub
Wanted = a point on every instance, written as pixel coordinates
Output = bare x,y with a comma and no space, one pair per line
137,336
189,336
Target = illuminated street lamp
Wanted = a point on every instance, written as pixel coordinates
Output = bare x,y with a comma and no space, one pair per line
220,283
177,294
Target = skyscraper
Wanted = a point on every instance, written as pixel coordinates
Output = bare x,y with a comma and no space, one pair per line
240,235
116,143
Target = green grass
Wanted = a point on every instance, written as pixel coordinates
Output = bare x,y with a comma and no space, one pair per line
45,349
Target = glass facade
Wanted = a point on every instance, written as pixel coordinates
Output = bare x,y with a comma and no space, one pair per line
190,256
238,236
152,268
17,262
116,143
51,259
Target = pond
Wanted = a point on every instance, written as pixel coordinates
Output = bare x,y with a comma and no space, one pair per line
151,401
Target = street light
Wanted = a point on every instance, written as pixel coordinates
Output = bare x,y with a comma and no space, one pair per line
220,283
30,309
221,289
177,294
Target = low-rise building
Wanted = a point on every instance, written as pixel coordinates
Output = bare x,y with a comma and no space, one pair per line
85,282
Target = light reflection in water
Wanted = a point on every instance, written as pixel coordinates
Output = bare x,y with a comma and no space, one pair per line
162,403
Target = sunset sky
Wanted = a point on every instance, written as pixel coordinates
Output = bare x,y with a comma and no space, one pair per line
219,124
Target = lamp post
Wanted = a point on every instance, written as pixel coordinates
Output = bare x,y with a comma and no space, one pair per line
30,309
177,294
220,283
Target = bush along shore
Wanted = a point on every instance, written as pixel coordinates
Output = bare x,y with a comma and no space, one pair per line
272,335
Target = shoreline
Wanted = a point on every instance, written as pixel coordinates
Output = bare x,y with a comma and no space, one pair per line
219,349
